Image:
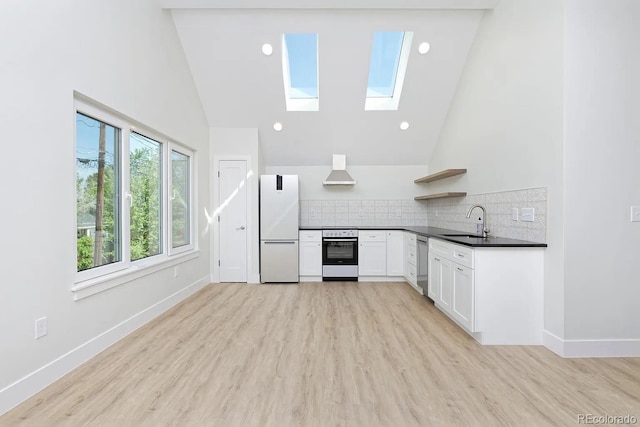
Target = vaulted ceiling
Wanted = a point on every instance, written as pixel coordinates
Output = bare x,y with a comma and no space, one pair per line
241,88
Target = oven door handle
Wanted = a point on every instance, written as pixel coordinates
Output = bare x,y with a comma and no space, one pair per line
340,240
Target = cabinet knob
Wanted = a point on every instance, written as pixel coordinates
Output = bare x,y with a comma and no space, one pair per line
459,269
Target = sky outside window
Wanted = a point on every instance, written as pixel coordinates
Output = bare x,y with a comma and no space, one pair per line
390,53
302,56
385,58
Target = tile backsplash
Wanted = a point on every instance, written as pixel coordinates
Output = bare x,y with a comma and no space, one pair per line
451,213
339,213
444,213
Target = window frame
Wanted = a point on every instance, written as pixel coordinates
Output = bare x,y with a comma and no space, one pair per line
295,103
103,116
163,194
96,279
392,103
191,245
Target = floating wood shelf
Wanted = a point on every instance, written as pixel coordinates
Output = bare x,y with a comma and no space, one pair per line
440,175
440,196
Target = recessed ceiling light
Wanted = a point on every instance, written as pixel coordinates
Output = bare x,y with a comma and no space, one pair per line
267,49
424,48
277,126
404,125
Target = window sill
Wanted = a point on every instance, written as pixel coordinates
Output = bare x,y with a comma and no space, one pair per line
94,286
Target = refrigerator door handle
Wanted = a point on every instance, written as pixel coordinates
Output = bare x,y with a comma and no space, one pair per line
280,243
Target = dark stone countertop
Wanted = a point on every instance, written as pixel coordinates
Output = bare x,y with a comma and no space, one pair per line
440,233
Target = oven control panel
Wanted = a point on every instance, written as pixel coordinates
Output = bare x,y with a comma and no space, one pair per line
340,233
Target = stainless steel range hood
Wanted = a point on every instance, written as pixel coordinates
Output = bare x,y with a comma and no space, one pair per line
339,174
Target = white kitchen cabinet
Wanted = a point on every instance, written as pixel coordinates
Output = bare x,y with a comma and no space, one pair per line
410,270
451,281
310,258
395,252
462,300
494,293
440,288
372,253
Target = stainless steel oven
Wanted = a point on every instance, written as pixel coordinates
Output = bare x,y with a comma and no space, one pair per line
340,255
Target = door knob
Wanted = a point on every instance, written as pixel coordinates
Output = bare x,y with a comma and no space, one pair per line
240,228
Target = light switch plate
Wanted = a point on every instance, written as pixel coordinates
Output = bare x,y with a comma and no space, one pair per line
527,214
514,214
635,213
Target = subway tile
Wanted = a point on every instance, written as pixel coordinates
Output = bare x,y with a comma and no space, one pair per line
314,223
355,210
382,210
355,204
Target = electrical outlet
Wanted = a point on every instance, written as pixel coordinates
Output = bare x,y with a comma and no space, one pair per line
176,271
399,213
527,214
635,213
41,327
514,214
312,213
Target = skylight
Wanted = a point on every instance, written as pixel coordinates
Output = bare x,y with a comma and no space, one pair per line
300,71
389,58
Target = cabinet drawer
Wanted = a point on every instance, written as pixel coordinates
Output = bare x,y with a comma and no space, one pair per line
440,247
311,236
411,255
372,236
463,255
412,275
411,238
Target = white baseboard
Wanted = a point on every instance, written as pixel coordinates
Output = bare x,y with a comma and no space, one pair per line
22,389
553,343
591,348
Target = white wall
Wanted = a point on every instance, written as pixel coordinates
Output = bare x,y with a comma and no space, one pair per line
127,56
505,122
238,143
374,182
602,169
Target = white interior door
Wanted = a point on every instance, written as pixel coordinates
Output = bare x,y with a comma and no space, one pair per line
232,200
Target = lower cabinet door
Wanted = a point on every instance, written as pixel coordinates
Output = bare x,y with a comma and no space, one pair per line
435,277
311,258
462,307
372,259
440,281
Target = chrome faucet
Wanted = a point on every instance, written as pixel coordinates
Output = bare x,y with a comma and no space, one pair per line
485,230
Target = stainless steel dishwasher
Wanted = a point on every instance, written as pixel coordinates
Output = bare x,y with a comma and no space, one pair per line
423,263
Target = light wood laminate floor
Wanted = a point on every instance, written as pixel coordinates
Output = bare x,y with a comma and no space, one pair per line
325,354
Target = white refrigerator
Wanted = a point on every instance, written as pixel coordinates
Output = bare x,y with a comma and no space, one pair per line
279,215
